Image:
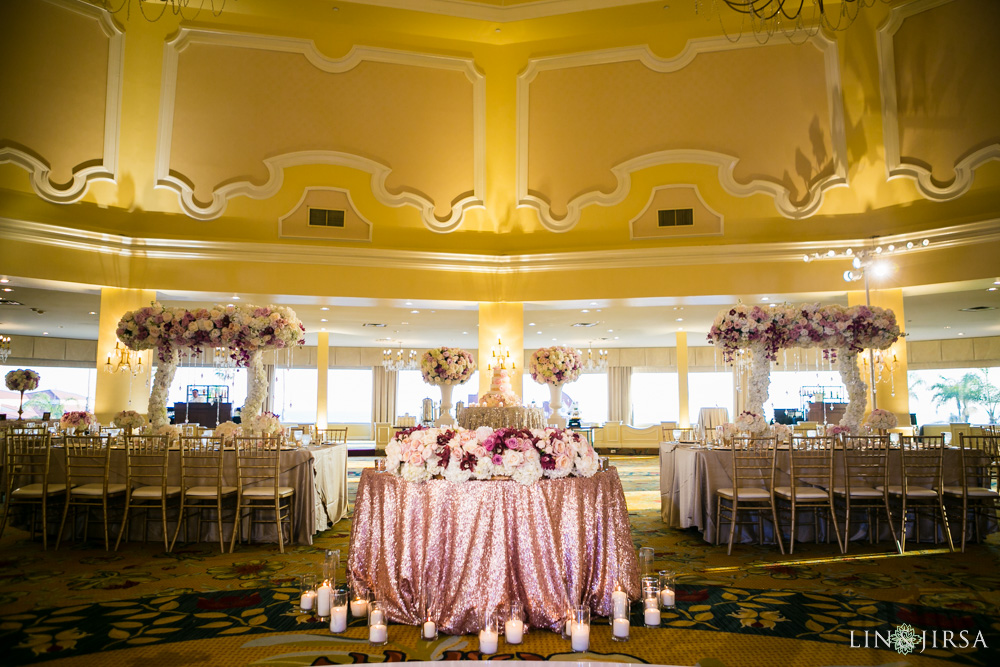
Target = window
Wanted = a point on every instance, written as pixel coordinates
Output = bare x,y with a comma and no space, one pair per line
294,398
60,390
411,390
710,390
202,375
590,392
654,398
349,396
966,395
785,391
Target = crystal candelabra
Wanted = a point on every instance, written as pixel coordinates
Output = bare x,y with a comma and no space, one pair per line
400,361
595,363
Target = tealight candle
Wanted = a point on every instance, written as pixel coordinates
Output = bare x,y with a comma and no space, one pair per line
323,594
620,629
430,629
488,641
514,631
359,607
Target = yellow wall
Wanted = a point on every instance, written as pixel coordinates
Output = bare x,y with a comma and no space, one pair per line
120,391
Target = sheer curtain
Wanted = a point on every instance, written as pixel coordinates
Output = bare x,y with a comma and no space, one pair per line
384,395
620,394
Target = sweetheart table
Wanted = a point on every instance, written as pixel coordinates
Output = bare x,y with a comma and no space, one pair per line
459,549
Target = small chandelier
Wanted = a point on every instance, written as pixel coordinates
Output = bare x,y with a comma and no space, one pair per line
500,357
797,20
125,361
400,361
154,10
224,363
4,348
595,363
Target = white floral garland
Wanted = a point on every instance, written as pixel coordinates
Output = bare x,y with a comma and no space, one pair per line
165,371
857,390
256,387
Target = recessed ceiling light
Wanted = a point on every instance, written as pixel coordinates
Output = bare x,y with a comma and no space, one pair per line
616,337
404,323
996,282
611,330
947,327
584,311
235,298
323,319
538,332
960,333
414,312
322,328
465,333
4,280
408,303
991,289
7,289
765,298
45,333
773,305
925,243
323,308
93,312
593,303
553,339
531,324
680,328
680,319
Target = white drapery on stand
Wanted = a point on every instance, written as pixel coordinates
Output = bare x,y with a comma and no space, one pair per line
384,395
620,394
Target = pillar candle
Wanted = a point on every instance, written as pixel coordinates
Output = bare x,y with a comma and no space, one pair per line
514,631
323,600
429,629
359,608
667,597
306,602
621,627
338,619
580,637
378,634
378,618
488,640
619,601
652,616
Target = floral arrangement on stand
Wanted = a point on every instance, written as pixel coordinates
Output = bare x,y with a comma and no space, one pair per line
447,365
266,423
228,430
21,380
76,420
555,365
881,420
842,332
751,422
245,330
130,420
459,455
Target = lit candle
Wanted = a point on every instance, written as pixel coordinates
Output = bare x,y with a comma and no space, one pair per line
652,614
359,607
620,628
378,633
378,617
580,637
514,631
307,601
667,597
430,629
338,618
323,600
619,602
488,640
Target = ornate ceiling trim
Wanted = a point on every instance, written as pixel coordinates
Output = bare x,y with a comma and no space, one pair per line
986,231
499,14
896,165
106,168
726,164
276,165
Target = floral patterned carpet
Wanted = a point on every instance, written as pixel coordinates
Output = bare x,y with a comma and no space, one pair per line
84,606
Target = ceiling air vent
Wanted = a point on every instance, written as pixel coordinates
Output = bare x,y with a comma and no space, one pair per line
585,324
976,309
9,302
323,217
676,217
373,324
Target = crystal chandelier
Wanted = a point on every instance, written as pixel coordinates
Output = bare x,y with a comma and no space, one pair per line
500,357
595,363
224,364
154,10
797,20
4,348
125,361
400,361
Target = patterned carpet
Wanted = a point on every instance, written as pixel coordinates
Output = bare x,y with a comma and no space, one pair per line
84,606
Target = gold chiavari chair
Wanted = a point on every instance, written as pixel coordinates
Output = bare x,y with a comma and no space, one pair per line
201,484
810,469
752,490
258,461
146,463
863,484
333,436
26,463
88,459
978,489
921,487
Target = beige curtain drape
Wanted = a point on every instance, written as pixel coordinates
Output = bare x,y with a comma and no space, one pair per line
384,395
620,394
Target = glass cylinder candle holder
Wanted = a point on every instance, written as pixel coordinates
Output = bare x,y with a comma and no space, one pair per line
514,627
359,602
379,465
645,560
668,592
378,624
580,634
338,612
650,603
567,631
307,593
428,628
331,563
489,636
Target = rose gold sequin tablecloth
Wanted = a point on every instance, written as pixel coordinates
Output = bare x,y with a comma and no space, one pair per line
463,548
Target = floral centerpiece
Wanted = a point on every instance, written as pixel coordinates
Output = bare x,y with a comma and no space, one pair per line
727,430
129,420
838,430
881,420
555,365
77,420
447,365
459,455
21,380
781,431
172,431
228,430
266,423
751,422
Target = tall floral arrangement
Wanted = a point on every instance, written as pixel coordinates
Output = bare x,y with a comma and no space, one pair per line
266,423
751,422
555,365
447,365
129,420
22,379
459,455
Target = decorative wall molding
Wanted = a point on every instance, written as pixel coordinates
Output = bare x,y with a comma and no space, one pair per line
302,202
276,165
675,186
726,163
499,14
896,165
105,168
986,231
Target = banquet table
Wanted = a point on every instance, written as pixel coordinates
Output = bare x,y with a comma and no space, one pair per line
296,471
709,418
690,476
462,548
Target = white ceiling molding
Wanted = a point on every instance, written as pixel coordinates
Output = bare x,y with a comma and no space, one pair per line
986,231
277,164
896,167
302,202
726,163
675,186
467,9
106,168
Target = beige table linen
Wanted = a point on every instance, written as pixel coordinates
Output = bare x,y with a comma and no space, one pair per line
331,485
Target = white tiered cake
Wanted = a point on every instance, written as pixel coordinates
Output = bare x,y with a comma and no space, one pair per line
501,394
